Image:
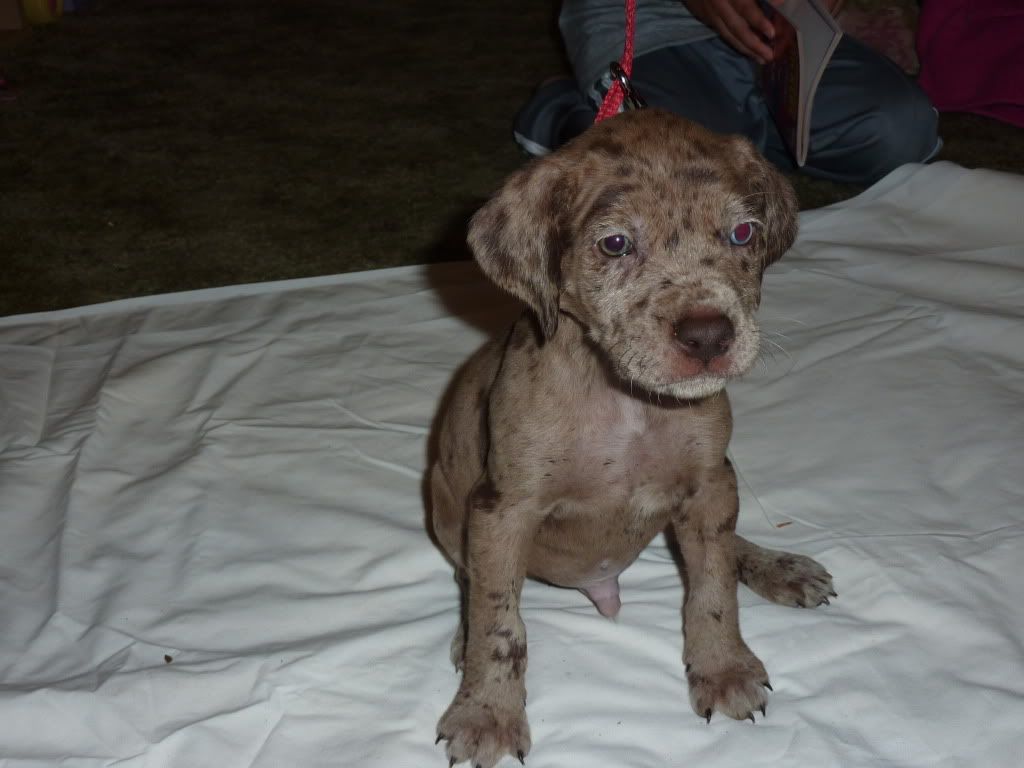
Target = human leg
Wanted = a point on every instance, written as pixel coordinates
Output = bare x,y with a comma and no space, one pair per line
707,82
868,118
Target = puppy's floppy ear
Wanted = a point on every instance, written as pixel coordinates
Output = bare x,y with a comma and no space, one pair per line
775,200
519,235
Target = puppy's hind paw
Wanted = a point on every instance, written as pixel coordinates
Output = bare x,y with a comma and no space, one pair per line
785,578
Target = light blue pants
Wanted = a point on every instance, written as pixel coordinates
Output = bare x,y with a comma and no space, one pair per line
868,116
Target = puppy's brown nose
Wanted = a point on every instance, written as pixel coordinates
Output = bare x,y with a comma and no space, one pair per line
704,336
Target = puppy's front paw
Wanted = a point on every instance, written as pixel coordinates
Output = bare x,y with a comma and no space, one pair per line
786,579
483,731
735,686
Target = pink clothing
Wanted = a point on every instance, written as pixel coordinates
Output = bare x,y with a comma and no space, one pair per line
972,56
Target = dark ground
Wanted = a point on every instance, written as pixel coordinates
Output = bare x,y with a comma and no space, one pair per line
164,145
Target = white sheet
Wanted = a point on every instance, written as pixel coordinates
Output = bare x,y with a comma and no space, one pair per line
230,479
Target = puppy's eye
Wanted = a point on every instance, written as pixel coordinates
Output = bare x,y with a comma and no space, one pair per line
743,233
615,245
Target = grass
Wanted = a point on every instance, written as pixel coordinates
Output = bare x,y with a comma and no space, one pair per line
164,145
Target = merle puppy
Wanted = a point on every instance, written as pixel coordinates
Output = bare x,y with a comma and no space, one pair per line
599,419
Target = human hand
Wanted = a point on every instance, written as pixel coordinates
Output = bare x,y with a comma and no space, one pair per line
741,23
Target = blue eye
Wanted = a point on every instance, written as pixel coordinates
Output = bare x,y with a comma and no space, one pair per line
742,234
615,245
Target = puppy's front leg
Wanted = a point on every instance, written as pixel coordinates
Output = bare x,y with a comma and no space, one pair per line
487,718
722,671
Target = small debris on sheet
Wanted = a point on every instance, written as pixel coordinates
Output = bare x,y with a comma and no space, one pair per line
168,659
783,525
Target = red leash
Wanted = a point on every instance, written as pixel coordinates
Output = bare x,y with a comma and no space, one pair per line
613,99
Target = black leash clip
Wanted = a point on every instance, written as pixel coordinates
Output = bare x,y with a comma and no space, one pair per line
631,99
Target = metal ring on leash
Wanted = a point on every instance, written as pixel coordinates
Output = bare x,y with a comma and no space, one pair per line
631,99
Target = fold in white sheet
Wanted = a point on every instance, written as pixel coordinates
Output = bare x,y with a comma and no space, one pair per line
230,479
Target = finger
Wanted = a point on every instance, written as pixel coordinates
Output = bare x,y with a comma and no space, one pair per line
735,42
750,43
755,17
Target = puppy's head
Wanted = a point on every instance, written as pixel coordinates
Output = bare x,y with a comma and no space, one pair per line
653,233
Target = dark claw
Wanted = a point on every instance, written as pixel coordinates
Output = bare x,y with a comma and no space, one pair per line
440,737
750,717
824,601
520,755
451,762
833,594
764,712
707,714
768,685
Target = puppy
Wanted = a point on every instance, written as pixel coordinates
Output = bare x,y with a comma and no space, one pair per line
599,419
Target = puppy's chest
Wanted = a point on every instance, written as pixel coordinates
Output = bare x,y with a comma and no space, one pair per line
623,460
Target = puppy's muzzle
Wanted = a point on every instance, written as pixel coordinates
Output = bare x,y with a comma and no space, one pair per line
704,335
